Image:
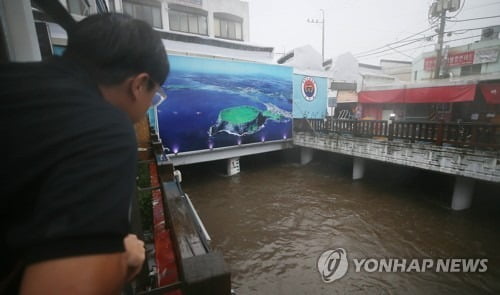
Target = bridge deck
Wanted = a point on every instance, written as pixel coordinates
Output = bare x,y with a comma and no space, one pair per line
477,160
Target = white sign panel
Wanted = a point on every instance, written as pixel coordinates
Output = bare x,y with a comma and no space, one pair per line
485,55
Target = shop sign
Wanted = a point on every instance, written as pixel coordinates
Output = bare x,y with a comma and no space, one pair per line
484,55
347,96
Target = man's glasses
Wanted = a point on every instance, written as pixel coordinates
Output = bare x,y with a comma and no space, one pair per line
159,97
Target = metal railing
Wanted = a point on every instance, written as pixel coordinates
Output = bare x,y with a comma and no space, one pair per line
480,135
198,269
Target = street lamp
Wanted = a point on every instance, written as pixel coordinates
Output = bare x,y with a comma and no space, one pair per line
322,22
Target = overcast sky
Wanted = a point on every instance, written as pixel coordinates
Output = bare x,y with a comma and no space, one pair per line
358,26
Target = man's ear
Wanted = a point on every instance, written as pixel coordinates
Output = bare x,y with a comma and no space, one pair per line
139,85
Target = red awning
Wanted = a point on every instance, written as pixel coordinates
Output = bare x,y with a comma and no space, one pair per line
441,94
491,92
438,94
382,96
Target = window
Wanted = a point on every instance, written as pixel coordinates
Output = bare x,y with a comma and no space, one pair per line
78,7
147,12
188,22
228,28
471,70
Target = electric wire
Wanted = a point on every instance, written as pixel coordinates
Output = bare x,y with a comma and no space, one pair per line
432,21
484,5
395,42
423,46
471,19
433,25
461,31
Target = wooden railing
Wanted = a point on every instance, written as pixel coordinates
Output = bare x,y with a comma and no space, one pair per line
439,133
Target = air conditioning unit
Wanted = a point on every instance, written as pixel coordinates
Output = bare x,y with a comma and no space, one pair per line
490,33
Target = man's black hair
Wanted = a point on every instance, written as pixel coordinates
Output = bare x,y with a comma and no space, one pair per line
114,47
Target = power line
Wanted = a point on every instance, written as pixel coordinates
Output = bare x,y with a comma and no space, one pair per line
466,30
359,55
390,48
462,38
405,42
402,40
396,42
414,48
477,18
487,4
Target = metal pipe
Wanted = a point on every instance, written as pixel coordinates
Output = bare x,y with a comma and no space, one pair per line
198,220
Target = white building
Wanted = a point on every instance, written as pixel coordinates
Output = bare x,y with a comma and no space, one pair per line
480,58
224,19
401,70
210,28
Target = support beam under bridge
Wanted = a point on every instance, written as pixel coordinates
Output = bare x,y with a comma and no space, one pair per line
229,152
466,164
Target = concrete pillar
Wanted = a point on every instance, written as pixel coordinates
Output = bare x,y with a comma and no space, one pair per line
233,166
358,168
306,155
19,30
462,193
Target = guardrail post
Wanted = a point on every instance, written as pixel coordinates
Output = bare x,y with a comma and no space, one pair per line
473,138
390,134
440,131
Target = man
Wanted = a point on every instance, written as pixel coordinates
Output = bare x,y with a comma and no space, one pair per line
69,159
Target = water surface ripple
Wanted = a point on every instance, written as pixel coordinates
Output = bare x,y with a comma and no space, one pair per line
274,219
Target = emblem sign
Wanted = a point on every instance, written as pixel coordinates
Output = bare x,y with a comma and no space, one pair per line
309,88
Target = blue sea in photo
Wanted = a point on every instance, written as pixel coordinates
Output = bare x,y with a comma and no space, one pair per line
199,89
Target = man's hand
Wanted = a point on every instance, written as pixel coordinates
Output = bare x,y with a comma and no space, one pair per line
135,253
81,275
88,274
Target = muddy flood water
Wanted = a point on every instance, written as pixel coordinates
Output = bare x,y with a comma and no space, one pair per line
274,220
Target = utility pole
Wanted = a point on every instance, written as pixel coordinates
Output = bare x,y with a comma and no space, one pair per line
439,57
439,9
322,22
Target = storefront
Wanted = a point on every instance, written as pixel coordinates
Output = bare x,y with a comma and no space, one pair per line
459,101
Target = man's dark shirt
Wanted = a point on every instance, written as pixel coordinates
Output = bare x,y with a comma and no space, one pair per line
68,165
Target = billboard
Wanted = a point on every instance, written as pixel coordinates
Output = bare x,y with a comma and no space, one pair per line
309,97
215,103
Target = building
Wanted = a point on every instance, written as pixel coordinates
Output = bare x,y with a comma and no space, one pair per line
401,70
348,77
468,90
214,28
474,59
224,19
310,82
